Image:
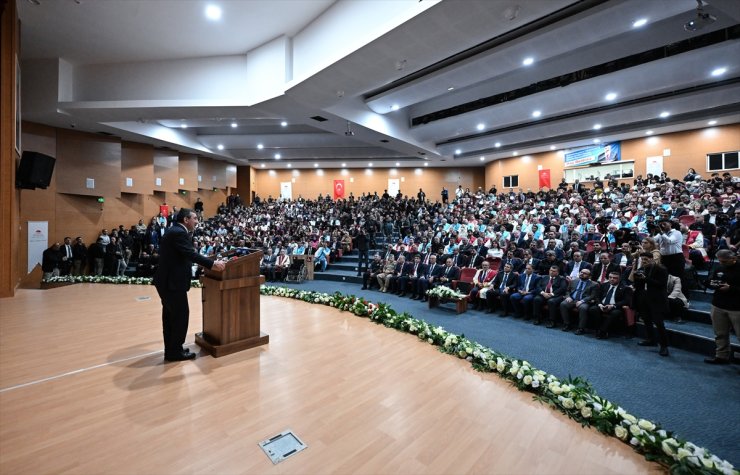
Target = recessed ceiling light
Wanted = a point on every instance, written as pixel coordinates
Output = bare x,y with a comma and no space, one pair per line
528,61
426,164
664,114
263,165
213,12
712,122
284,124
344,165
184,126
611,96
260,146
370,164
316,165
234,125
514,154
552,147
480,126
597,126
220,147
536,113
648,132
290,165
640,22
719,71
398,164
451,88
458,151
278,156
597,140
482,158
497,144
394,107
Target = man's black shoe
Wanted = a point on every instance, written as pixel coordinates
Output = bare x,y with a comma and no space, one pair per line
550,325
602,336
566,328
181,356
646,343
716,360
363,288
663,351
580,331
537,322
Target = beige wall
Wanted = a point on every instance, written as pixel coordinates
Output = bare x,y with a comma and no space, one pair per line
687,149
309,182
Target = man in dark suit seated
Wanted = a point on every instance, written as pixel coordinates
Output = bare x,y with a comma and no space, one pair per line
592,257
575,266
579,294
391,280
549,261
408,281
430,278
651,288
267,265
551,287
521,300
371,274
172,280
528,259
450,273
606,306
459,259
515,262
502,288
601,270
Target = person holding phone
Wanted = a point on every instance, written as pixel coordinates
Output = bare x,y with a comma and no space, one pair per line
725,281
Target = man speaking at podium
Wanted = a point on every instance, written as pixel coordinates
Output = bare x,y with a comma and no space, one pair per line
172,280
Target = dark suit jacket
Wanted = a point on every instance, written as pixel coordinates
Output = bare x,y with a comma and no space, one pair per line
421,270
435,273
461,260
176,257
588,290
532,282
596,270
452,274
511,281
559,285
515,262
569,267
621,296
407,269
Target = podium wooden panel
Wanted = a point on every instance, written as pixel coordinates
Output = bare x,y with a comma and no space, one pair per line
231,307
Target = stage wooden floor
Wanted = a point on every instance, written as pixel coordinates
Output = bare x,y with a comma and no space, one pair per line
84,390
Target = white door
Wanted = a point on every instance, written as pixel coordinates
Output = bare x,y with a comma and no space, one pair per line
286,190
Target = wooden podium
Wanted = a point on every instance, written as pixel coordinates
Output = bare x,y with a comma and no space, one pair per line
231,307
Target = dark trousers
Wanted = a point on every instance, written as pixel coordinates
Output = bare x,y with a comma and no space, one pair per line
674,263
175,316
363,259
407,283
676,309
522,305
653,309
605,320
368,278
553,309
566,313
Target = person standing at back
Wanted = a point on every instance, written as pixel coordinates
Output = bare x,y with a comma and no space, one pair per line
172,280
725,282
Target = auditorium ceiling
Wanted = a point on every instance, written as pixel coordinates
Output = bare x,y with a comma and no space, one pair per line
409,83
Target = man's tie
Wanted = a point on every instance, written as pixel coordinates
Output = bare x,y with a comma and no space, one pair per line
609,295
431,270
526,283
602,279
579,291
503,281
548,289
416,269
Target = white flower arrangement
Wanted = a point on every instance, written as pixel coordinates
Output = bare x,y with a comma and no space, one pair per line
443,292
107,279
574,397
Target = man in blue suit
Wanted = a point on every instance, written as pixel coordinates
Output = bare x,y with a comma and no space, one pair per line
172,280
430,278
521,300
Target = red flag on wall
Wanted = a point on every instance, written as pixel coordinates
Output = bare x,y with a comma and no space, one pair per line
338,189
544,178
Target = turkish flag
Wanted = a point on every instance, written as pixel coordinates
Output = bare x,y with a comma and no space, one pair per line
544,178
338,189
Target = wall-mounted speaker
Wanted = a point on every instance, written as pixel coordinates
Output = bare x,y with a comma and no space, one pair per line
34,171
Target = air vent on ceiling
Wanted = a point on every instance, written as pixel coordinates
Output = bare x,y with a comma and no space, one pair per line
384,140
318,118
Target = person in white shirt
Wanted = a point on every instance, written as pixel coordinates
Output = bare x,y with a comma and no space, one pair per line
669,243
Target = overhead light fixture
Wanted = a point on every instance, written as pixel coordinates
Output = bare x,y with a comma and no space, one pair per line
290,165
398,164
370,164
260,146
597,140
664,114
451,88
536,114
648,132
183,126
481,126
597,126
528,61
712,122
278,156
283,124
611,96
426,164
263,165
640,22
482,158
701,20
349,132
316,165
213,12
394,107
344,165
514,154
458,151
552,147
497,144
234,125
220,147
718,72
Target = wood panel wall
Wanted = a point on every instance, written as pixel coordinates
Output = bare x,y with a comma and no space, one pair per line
166,171
9,196
308,183
686,150
137,165
188,171
82,157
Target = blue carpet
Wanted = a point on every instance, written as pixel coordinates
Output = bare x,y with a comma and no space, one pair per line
699,402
